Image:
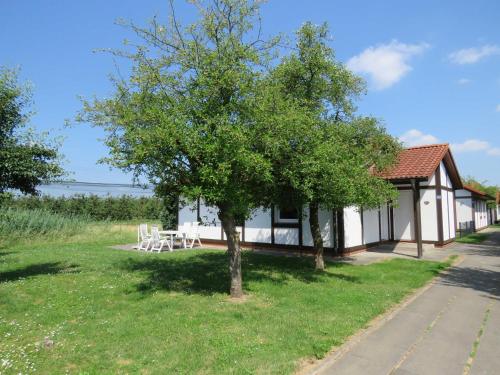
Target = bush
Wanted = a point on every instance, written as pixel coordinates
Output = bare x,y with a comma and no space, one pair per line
96,208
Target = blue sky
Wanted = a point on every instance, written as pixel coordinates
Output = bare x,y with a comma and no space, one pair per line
433,68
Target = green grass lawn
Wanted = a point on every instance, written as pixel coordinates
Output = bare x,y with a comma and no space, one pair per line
80,307
473,238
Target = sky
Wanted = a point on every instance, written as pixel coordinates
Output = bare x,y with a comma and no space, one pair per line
432,68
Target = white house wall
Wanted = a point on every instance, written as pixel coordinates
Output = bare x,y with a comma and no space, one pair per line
325,222
384,223
481,215
464,210
353,235
258,227
286,236
451,214
464,207
211,227
403,217
428,212
430,182
445,179
370,226
447,204
188,213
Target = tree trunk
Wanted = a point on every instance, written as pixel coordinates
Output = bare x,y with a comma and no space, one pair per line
234,251
316,235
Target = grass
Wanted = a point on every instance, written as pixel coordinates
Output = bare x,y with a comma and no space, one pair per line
16,224
76,306
473,238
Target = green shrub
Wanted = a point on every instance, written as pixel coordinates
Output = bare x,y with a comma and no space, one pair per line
96,208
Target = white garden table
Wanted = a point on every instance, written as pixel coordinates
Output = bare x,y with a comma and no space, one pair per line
171,234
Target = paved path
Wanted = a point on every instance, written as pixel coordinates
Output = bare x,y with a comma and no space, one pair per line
451,328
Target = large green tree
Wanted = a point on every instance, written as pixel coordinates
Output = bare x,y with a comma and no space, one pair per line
186,115
324,156
27,159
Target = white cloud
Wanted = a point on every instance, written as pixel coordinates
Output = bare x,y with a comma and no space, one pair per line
494,151
473,55
471,145
415,137
386,64
497,108
463,81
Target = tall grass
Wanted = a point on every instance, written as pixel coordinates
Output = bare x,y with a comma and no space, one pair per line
22,223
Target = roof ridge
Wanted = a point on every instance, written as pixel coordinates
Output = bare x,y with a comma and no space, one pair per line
428,146
471,188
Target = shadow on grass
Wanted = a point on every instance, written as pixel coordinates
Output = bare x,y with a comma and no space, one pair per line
207,273
37,270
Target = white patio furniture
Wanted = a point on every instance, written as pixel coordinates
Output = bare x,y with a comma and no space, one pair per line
158,242
173,235
143,237
192,234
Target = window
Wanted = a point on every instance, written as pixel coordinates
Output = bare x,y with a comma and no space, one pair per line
286,214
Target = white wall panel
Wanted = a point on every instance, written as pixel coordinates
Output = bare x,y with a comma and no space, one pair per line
352,227
325,222
211,227
444,205
258,227
403,217
384,222
451,214
428,212
188,213
286,236
464,210
370,226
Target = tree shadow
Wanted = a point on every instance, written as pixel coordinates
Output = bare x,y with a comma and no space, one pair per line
479,279
207,273
37,270
480,249
489,247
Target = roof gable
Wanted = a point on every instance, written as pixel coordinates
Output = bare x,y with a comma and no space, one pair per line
422,162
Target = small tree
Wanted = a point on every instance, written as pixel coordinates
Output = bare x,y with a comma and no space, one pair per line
186,116
27,159
324,156
483,186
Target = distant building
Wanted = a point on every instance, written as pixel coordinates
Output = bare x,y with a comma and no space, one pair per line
472,209
426,178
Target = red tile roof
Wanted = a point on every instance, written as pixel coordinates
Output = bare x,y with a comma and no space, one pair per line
417,162
482,194
474,190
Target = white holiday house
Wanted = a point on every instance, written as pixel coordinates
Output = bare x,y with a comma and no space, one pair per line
426,178
472,210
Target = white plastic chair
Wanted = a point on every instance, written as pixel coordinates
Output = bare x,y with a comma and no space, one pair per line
143,237
192,234
159,242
